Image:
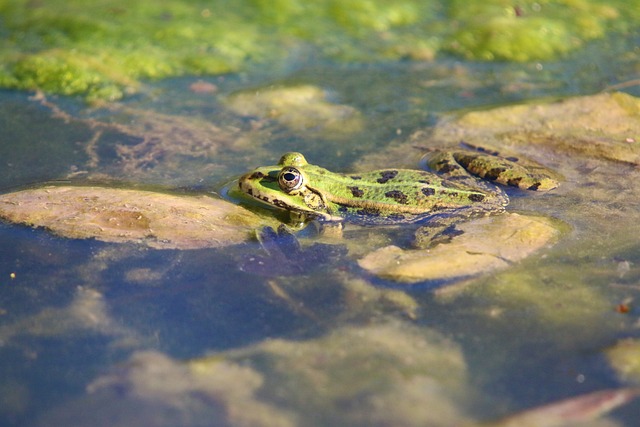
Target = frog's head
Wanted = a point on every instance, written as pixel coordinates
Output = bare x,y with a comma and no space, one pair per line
284,186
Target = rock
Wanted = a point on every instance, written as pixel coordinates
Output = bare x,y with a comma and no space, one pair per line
486,245
158,220
300,108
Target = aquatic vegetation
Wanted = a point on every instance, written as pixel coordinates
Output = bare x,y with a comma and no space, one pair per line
104,51
530,30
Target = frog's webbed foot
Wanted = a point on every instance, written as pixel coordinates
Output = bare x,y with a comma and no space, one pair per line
285,255
428,236
435,231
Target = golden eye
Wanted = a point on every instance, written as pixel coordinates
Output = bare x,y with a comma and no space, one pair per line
289,179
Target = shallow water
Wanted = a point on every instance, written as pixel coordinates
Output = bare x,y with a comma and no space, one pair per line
73,312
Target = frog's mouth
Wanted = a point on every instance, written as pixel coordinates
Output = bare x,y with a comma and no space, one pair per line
269,182
257,179
273,196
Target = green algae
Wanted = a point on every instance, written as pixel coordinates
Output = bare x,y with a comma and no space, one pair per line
102,51
530,30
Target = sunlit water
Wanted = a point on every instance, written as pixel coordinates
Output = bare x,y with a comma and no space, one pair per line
73,311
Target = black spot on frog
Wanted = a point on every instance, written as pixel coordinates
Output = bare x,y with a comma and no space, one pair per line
356,192
387,175
398,196
476,197
428,191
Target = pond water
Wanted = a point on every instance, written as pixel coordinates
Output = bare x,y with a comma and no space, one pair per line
119,334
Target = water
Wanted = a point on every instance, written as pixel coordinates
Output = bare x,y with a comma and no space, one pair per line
319,345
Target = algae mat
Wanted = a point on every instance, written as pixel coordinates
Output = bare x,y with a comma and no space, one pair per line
104,50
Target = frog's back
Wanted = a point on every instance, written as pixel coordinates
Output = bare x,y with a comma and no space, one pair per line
404,195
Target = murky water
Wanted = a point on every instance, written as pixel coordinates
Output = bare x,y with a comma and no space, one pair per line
310,339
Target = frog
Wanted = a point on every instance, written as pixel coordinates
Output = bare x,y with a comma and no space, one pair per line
459,187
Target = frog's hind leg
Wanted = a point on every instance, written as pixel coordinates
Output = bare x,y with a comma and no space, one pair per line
441,228
434,232
489,166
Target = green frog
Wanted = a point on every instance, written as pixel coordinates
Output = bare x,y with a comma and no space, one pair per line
395,196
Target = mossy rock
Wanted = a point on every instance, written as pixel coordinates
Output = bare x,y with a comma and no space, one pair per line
604,126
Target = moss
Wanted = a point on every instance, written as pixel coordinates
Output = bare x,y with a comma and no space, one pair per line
355,15
102,51
105,48
67,73
530,30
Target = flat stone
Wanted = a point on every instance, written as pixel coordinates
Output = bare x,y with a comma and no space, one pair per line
487,244
158,220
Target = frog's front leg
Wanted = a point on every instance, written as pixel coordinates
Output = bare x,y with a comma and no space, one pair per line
298,220
313,226
491,167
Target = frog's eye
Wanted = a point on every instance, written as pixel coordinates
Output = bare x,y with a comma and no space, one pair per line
290,179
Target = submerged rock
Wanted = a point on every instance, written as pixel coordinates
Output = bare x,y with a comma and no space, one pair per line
301,108
87,313
624,358
153,389
485,245
391,373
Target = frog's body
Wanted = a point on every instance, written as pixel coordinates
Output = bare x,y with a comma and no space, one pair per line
392,196
386,196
